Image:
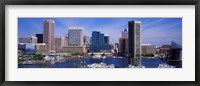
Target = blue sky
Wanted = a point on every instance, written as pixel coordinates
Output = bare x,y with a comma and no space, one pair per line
157,31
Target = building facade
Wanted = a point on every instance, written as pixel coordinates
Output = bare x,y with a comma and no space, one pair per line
32,39
123,45
123,42
41,48
48,34
134,42
74,49
75,36
107,39
148,50
125,33
59,43
98,42
27,48
164,49
39,38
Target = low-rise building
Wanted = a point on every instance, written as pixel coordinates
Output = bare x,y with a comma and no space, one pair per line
148,50
27,48
41,48
74,49
164,50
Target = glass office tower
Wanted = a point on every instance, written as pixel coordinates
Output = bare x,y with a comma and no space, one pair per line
134,42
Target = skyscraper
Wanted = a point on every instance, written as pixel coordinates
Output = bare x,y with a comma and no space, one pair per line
75,35
107,39
123,42
39,38
134,42
98,42
86,40
123,45
48,34
59,43
66,41
125,33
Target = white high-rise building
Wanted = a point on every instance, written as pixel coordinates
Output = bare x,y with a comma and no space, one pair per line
75,36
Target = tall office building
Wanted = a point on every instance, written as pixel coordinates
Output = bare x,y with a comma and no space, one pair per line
39,38
75,36
123,42
107,39
123,45
48,34
125,33
134,37
86,40
98,42
59,43
65,41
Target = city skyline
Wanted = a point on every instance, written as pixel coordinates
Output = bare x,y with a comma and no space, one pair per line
157,31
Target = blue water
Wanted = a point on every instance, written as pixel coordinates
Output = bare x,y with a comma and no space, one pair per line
80,63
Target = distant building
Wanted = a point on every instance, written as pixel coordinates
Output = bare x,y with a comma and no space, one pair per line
39,38
32,39
41,48
27,48
66,41
59,43
48,34
157,52
75,36
125,33
123,42
164,49
24,40
148,50
115,48
98,42
175,53
134,37
74,49
86,41
107,39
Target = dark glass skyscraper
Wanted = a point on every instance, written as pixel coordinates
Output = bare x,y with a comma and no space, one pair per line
134,38
39,38
98,42
107,39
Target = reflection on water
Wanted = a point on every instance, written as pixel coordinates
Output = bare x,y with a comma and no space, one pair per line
87,62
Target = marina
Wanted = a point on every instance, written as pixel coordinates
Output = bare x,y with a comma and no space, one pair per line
90,62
